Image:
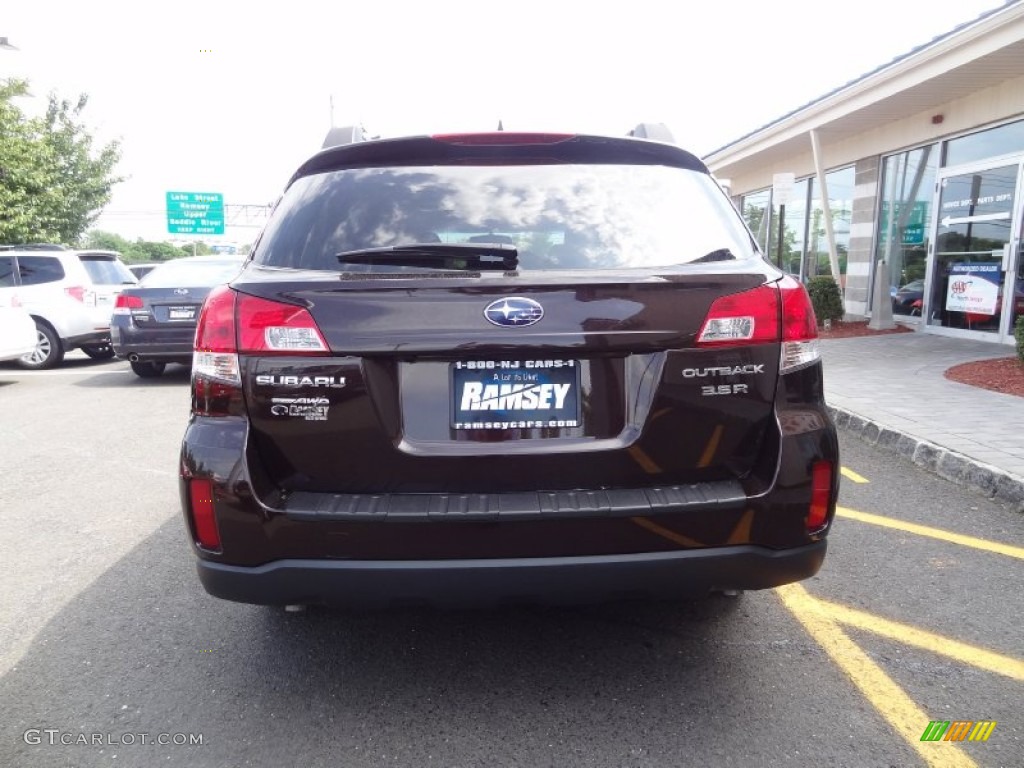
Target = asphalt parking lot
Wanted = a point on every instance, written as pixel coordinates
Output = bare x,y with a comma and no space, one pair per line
108,644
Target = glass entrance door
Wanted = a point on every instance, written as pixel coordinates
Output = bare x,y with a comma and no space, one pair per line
974,285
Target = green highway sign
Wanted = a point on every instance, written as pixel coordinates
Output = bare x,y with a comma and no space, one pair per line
195,213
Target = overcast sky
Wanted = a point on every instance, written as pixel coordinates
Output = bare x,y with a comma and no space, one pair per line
230,97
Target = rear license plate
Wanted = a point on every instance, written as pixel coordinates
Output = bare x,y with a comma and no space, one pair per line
181,313
515,394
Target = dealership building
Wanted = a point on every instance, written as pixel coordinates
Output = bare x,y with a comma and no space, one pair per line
922,164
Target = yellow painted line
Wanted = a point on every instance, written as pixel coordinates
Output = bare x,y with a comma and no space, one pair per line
935,533
665,533
849,474
928,641
711,447
646,462
891,702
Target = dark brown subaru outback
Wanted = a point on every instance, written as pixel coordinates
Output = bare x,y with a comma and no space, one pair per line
506,367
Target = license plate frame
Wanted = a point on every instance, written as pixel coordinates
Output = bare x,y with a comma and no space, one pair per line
181,313
478,401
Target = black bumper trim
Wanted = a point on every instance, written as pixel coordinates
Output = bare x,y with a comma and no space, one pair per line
725,494
561,580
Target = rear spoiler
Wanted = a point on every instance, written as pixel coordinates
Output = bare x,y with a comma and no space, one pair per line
353,134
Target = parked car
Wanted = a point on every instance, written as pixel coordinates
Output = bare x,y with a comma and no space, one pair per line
17,329
154,322
907,299
70,295
486,367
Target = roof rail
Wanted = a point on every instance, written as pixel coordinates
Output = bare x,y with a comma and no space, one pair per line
33,247
349,134
653,132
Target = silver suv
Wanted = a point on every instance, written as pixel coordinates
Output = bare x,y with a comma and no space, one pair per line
70,295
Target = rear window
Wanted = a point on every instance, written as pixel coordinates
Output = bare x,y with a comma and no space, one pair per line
106,270
6,271
557,216
191,274
38,270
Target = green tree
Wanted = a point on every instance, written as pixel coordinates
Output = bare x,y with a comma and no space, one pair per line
150,251
53,183
99,240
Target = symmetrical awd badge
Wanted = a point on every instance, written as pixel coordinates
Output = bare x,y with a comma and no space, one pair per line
513,311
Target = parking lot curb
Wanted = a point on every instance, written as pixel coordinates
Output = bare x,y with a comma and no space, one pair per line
975,475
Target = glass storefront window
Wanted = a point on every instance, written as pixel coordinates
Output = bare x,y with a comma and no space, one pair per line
795,230
973,239
756,212
995,142
840,185
908,184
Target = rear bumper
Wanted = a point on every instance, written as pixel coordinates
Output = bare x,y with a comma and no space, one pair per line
557,580
152,345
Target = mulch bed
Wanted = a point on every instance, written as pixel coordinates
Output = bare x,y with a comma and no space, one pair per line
857,328
1004,374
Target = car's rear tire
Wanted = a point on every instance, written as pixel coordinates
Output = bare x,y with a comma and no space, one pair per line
99,351
148,370
48,352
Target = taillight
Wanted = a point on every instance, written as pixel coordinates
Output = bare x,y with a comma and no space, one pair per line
216,384
821,495
501,138
76,292
204,520
799,327
231,323
125,304
750,317
271,327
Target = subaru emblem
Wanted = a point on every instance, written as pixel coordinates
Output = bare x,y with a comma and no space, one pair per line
181,291
513,311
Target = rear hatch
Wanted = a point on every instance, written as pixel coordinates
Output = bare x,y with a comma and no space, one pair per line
506,314
421,393
108,276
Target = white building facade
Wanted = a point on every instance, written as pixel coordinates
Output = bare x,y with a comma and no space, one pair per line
922,167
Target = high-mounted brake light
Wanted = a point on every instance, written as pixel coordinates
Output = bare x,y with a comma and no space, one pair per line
501,138
750,317
821,496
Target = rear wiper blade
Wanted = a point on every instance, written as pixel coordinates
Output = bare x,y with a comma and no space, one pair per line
458,256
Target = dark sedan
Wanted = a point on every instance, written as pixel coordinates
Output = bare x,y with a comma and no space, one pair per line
154,322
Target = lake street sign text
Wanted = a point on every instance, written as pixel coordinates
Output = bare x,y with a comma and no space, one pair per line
195,213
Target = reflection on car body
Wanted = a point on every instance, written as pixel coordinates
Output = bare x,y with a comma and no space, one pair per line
486,367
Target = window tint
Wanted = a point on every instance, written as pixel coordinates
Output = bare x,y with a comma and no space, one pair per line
6,271
106,270
36,270
557,216
192,274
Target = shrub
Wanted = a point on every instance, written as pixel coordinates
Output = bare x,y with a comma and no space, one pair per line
1018,334
826,298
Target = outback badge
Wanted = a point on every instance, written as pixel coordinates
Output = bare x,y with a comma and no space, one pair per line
513,311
